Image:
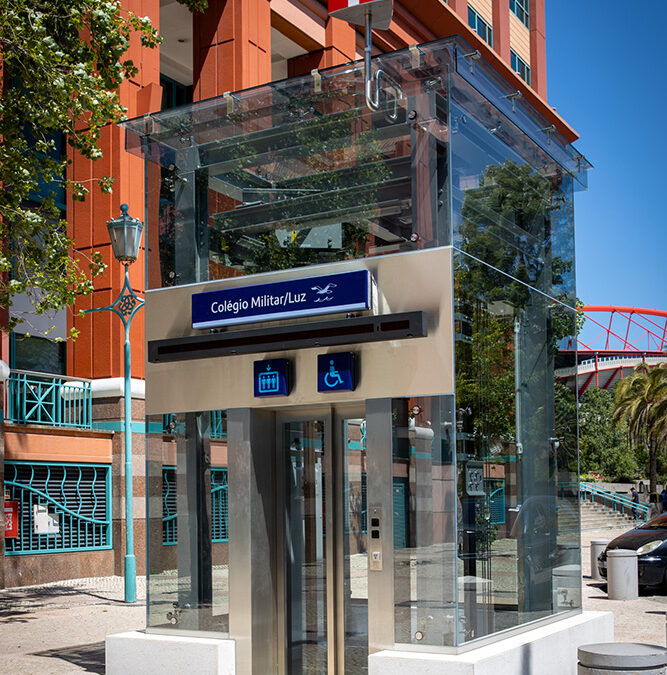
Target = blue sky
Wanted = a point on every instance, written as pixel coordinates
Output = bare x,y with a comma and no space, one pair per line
606,76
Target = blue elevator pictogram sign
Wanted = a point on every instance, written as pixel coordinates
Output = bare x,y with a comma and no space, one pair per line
272,377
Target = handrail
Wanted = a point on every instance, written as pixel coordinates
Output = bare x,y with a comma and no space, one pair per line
36,373
615,501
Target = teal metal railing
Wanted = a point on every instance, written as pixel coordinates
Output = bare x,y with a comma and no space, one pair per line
34,398
219,506
497,505
613,501
74,499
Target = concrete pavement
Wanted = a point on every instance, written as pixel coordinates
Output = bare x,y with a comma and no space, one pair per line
60,628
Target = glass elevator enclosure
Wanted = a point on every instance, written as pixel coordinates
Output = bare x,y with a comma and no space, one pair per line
434,504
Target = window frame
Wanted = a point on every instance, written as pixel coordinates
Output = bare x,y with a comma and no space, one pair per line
481,27
521,9
520,67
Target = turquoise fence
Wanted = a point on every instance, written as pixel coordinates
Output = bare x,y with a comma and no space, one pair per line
613,501
495,490
32,398
72,502
219,506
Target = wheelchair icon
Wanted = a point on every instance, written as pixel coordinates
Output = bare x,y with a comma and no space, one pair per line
332,378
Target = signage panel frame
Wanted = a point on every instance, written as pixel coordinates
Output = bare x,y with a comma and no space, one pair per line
293,298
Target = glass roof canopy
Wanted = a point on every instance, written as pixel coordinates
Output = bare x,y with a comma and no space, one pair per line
269,118
300,171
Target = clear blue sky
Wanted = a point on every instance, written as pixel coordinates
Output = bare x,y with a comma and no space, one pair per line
607,77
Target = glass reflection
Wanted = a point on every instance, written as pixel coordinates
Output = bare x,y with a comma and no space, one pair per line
188,537
306,577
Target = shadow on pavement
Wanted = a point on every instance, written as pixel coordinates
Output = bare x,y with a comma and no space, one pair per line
89,657
9,615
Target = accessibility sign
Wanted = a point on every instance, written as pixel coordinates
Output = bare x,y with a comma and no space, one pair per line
336,372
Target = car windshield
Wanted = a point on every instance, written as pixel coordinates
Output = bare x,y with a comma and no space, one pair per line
658,523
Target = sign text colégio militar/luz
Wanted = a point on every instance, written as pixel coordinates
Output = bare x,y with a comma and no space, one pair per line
344,292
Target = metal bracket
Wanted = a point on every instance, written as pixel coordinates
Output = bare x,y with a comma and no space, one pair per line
471,58
551,129
415,56
227,96
317,80
514,96
372,84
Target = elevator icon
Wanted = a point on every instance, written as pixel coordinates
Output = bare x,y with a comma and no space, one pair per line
268,381
271,378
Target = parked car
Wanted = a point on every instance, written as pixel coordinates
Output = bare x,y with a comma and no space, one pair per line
650,541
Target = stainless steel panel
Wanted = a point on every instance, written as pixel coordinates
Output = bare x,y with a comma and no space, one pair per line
422,366
379,492
252,526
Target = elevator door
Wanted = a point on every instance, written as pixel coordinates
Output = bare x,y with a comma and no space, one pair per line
325,553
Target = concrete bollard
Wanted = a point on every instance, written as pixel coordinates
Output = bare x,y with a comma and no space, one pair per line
617,658
622,574
596,548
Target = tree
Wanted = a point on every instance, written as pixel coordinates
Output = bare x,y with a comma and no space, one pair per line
62,64
640,401
603,448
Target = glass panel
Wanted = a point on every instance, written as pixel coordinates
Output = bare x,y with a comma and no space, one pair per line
514,434
306,579
425,514
188,541
355,553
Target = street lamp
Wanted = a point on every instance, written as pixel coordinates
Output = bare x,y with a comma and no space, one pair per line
125,234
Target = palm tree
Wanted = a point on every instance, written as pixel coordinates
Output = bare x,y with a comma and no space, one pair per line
641,401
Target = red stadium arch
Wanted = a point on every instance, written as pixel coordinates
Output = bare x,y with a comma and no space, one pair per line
622,338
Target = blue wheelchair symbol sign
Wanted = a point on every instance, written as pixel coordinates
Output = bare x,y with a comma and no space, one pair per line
335,372
332,378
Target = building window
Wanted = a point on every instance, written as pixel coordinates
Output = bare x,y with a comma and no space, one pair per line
174,93
520,8
37,354
480,26
520,67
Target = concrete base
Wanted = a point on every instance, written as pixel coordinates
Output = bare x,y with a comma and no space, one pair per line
548,650
150,654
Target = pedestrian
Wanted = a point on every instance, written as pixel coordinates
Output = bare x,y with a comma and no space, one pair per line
663,500
635,500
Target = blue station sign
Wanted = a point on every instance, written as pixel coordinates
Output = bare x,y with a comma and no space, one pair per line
345,292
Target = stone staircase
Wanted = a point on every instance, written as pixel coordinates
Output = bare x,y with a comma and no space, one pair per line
594,517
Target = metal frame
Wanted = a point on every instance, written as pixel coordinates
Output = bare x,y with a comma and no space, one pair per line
332,417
